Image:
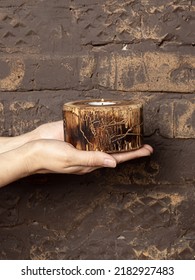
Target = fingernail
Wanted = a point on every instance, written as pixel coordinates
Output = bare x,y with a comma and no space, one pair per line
109,162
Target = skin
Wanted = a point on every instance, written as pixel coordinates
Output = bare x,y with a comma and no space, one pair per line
43,150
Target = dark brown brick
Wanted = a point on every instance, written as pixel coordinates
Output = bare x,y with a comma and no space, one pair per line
151,71
158,117
184,119
119,71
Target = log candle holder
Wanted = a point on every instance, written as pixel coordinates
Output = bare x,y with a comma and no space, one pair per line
103,125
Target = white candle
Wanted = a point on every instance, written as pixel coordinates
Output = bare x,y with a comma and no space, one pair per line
101,103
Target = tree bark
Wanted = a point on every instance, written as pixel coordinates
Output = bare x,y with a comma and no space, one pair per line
103,125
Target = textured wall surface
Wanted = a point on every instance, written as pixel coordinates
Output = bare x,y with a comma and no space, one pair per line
52,52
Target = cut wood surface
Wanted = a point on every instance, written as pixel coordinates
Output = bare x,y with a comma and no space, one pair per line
103,125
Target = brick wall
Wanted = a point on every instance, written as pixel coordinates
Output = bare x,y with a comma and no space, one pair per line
52,52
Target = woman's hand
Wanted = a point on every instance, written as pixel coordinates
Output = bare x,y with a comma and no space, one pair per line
54,156
44,151
53,130
60,157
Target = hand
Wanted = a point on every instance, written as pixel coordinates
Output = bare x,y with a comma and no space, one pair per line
44,151
45,131
53,130
64,154
54,156
60,157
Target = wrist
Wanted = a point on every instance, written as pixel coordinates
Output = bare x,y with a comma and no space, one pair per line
11,143
17,163
33,157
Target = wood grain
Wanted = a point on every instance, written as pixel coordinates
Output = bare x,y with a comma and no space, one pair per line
110,128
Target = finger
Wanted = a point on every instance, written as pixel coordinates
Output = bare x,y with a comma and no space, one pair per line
146,146
92,159
146,150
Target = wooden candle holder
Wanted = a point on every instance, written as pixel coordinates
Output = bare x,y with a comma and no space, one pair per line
103,125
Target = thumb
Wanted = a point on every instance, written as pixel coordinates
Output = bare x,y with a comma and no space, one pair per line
94,159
